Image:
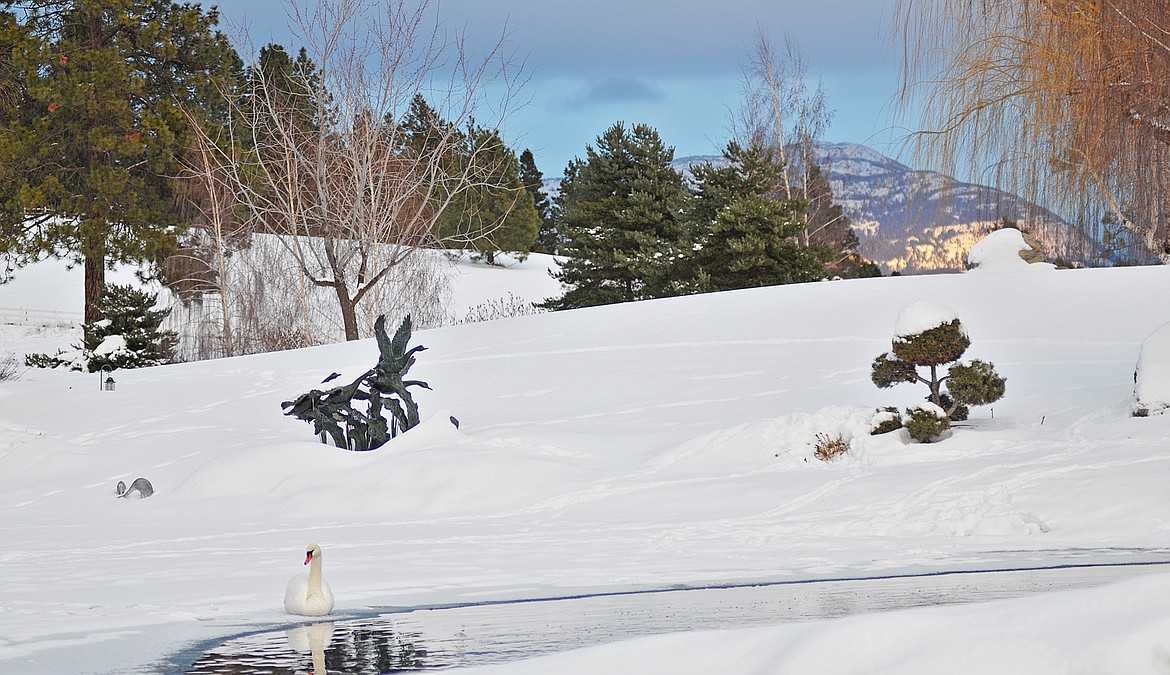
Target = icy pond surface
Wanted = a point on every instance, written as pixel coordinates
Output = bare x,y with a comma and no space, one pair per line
421,639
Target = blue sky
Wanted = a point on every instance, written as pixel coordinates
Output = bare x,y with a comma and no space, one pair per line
673,65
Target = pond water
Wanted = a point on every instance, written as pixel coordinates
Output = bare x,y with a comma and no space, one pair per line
424,639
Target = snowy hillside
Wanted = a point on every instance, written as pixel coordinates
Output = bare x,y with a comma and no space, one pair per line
636,446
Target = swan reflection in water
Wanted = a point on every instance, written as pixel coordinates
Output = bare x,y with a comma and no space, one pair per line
313,640
331,647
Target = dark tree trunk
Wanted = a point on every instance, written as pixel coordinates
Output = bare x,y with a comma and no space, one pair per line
348,310
935,396
95,281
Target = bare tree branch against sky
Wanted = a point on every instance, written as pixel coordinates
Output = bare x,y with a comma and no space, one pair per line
673,65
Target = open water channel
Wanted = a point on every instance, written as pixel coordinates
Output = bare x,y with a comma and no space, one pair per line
406,639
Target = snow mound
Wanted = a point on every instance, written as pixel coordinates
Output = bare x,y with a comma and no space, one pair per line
791,439
1000,252
113,346
1152,378
431,469
921,317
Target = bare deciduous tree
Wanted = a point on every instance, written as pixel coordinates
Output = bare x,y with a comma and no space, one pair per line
779,109
201,265
1067,100
320,155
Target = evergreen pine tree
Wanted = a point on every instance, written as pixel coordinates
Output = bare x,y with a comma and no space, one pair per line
128,337
425,129
547,239
95,123
748,234
493,215
830,229
279,85
622,213
129,313
497,214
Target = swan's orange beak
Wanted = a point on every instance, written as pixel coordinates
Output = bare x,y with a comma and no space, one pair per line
308,556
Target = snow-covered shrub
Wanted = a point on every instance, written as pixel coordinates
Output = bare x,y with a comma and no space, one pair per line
128,336
829,447
885,421
975,383
926,422
927,335
1152,376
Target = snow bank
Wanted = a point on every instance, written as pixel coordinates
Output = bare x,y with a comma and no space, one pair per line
433,469
1152,378
921,317
1000,251
1122,629
786,442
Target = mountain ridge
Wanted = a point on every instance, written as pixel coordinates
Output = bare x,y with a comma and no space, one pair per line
915,221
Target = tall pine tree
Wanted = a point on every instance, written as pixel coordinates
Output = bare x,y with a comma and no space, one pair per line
94,126
749,233
547,239
496,215
831,229
622,217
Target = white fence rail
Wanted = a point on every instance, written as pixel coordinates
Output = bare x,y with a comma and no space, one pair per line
23,316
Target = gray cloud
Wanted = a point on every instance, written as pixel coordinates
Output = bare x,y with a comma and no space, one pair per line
610,91
654,38
672,64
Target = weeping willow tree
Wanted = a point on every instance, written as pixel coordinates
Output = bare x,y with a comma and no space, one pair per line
1068,102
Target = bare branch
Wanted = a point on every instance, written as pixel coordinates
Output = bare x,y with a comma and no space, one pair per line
329,165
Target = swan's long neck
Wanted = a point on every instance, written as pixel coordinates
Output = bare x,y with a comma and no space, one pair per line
315,574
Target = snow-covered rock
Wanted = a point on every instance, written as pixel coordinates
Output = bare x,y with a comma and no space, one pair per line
1000,252
1152,378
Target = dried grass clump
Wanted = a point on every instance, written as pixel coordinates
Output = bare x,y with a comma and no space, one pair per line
829,448
9,368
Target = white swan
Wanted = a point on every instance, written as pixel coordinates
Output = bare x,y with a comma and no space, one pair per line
308,594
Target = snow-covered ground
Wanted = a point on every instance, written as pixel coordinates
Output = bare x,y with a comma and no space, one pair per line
633,446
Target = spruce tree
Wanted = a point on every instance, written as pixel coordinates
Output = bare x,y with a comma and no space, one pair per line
748,233
622,213
94,123
130,314
129,336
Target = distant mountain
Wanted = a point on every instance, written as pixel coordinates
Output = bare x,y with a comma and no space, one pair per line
913,221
